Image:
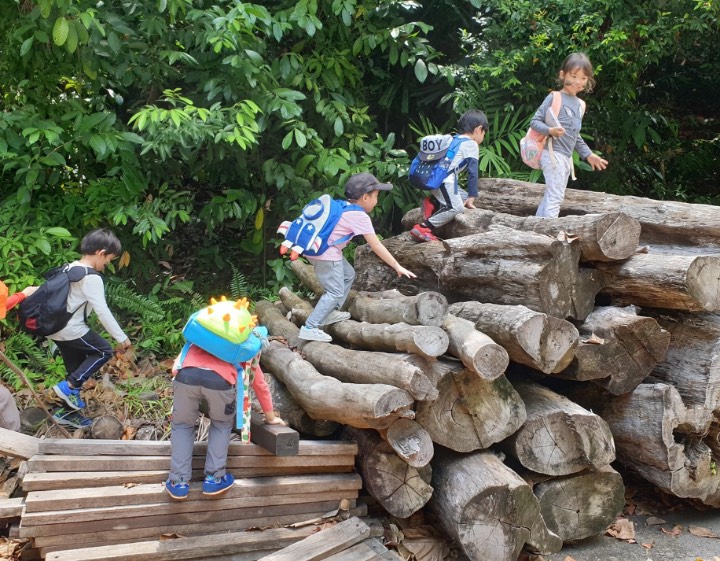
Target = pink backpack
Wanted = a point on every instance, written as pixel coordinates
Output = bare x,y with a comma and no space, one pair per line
533,143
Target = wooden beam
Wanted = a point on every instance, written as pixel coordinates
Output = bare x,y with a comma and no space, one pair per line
276,439
18,445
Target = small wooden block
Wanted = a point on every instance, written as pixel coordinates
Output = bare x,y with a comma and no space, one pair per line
276,439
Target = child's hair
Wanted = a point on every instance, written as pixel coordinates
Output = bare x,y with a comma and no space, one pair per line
579,61
472,119
101,239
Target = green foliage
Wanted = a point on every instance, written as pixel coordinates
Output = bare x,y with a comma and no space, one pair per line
39,366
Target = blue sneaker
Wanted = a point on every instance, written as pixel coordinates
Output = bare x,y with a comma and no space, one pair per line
177,491
214,486
69,395
71,418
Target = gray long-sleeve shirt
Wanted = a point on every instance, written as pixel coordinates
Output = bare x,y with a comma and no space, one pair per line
570,119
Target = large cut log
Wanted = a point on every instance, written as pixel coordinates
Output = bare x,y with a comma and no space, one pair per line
477,351
350,366
487,508
676,282
559,437
692,362
426,341
411,442
501,266
400,488
531,338
426,308
664,222
602,237
618,349
471,413
660,439
581,505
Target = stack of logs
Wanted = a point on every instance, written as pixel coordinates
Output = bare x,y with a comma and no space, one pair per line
499,385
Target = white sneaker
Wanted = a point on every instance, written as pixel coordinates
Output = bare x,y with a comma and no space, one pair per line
336,316
314,334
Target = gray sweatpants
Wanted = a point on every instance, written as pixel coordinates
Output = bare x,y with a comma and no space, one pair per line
556,179
336,278
451,203
9,414
186,408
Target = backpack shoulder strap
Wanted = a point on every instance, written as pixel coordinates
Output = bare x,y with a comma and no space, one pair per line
582,107
556,104
346,206
182,356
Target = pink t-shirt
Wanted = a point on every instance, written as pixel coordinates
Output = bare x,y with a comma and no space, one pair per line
355,222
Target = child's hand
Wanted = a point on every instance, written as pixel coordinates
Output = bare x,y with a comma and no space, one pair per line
469,202
556,132
29,290
272,419
596,162
403,272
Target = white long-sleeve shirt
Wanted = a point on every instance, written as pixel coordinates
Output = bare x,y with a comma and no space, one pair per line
90,289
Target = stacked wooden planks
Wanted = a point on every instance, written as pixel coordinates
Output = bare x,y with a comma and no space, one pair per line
90,493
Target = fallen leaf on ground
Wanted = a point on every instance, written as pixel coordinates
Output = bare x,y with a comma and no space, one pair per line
654,521
622,529
702,532
568,558
676,531
648,545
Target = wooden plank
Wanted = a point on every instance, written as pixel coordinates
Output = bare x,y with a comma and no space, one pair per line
11,508
276,439
184,548
136,463
200,504
39,501
108,537
87,447
325,543
18,445
43,481
387,555
363,551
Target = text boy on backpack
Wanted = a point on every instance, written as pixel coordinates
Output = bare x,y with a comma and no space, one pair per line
333,271
448,201
84,351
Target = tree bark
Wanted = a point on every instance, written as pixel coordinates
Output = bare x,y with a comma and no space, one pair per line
477,351
618,349
501,266
603,237
486,508
425,308
357,367
471,413
531,338
400,488
411,442
426,341
676,282
581,505
692,362
559,437
664,222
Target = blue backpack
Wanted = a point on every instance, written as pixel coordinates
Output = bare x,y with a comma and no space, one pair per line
308,234
431,166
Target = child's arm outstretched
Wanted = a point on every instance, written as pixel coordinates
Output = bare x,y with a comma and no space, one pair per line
262,393
382,252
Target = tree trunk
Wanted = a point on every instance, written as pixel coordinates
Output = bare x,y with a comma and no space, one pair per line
603,237
426,308
581,505
477,351
692,362
485,506
618,349
664,222
400,488
359,405
426,341
531,338
677,282
411,442
559,437
357,367
501,266
471,413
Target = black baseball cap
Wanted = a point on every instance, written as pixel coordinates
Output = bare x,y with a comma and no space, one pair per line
360,183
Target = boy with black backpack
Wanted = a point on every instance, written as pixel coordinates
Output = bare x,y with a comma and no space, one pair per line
448,200
83,351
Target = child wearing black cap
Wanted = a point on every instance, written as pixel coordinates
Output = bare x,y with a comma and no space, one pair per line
333,271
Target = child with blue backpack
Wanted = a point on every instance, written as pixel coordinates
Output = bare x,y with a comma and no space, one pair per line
576,76
333,271
449,199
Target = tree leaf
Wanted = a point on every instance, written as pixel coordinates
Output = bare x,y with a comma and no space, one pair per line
421,71
60,31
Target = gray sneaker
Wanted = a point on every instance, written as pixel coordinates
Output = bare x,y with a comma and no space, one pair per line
336,316
314,334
